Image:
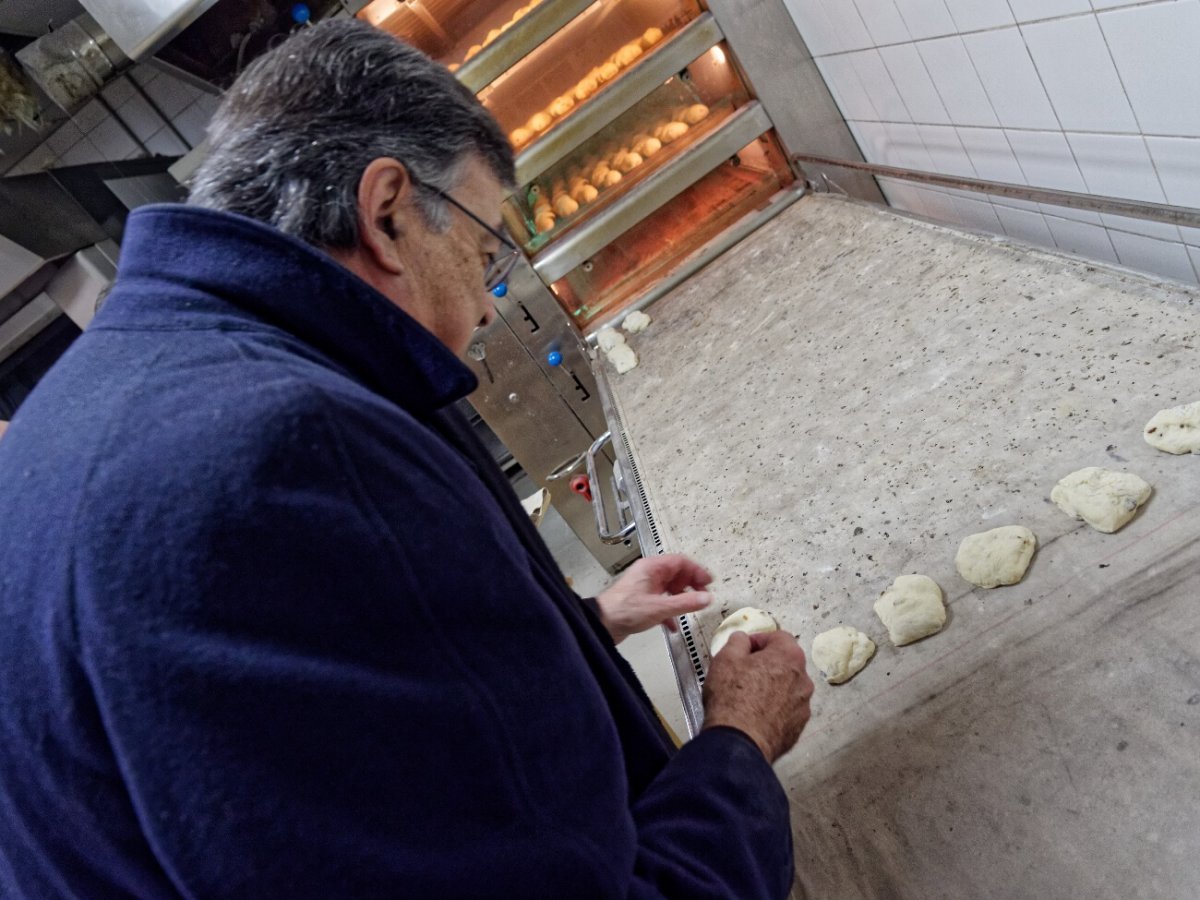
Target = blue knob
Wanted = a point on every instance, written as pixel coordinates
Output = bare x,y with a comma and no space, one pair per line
301,13
555,358
500,290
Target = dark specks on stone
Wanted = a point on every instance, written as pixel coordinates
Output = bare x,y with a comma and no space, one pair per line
1121,745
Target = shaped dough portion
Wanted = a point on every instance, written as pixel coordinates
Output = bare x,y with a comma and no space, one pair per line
841,652
992,558
1105,499
636,321
911,609
608,338
1175,430
747,620
623,358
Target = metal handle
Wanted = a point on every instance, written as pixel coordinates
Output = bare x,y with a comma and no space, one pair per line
606,536
568,467
1134,209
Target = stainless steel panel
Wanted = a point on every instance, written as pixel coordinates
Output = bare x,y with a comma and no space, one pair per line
539,323
526,412
671,57
72,63
784,77
577,245
141,27
519,41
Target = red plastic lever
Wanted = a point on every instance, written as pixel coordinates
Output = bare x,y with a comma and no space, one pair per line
581,486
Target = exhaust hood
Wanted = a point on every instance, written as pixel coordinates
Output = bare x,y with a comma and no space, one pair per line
141,27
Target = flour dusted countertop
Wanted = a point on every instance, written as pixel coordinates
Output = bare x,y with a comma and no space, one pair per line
841,399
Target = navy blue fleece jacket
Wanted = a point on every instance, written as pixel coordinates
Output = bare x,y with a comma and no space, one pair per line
272,624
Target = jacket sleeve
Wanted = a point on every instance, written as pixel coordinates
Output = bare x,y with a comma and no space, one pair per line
330,673
714,824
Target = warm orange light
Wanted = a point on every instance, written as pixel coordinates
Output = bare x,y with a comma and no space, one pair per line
718,56
379,11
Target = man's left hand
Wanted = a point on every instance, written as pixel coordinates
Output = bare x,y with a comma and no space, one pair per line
653,591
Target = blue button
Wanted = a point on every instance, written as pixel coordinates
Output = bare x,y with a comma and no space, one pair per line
555,358
301,13
500,290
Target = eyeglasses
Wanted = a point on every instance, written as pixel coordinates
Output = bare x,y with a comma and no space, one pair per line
500,265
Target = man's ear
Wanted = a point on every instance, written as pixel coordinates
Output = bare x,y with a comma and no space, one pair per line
385,192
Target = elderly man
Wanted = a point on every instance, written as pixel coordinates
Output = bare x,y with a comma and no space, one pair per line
273,623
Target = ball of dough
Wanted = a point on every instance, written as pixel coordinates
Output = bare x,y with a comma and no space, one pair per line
911,609
613,177
627,54
636,321
564,206
695,113
747,620
544,223
673,131
606,72
1105,499
651,36
538,122
599,173
520,136
623,358
629,161
997,557
1175,430
841,652
609,337
491,36
584,193
586,88
474,51
647,147
561,106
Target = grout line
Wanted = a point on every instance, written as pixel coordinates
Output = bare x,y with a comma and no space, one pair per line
1016,24
1120,79
861,18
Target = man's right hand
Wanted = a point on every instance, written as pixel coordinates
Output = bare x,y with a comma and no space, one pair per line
758,685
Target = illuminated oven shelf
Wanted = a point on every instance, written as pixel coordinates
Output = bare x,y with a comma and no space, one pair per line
599,288
583,241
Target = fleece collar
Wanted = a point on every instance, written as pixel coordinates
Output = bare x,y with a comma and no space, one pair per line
171,252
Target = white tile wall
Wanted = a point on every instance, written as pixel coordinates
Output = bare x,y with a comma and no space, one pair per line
926,18
908,73
134,128
1010,80
1079,75
1099,96
884,23
956,81
1156,48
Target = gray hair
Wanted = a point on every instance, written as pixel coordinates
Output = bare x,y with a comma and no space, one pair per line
295,132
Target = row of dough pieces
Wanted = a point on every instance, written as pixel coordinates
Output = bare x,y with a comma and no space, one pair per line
912,607
584,183
495,33
587,86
